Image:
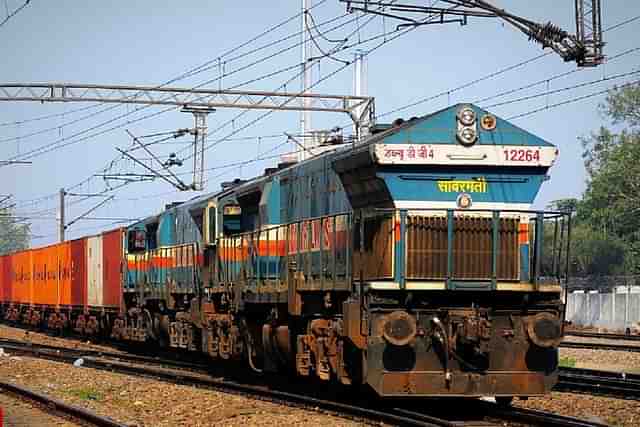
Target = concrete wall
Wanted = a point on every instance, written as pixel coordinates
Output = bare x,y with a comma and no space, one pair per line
611,311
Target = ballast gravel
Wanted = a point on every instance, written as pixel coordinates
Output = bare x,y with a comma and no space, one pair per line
145,402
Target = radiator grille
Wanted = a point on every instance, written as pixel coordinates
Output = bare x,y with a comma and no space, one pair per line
472,248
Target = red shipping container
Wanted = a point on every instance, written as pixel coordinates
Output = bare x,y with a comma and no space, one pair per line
21,277
7,277
78,273
3,279
112,259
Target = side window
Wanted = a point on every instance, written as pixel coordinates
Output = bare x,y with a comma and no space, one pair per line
151,235
135,241
231,220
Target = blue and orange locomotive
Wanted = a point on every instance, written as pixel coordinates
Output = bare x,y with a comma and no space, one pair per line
411,262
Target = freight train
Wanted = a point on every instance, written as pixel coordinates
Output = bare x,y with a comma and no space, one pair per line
410,262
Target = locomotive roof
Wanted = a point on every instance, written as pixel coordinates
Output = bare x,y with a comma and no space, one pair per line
438,127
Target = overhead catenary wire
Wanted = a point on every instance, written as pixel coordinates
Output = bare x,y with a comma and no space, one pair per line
345,65
46,148
189,73
563,89
184,75
493,74
572,100
68,140
628,21
14,13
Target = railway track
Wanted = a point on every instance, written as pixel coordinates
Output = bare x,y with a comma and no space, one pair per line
596,382
59,407
585,334
600,346
188,373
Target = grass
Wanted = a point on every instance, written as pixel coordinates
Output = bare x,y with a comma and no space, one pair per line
86,394
567,362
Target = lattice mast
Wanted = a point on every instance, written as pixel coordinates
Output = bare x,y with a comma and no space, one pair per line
589,31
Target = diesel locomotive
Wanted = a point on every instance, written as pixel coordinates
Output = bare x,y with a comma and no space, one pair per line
410,262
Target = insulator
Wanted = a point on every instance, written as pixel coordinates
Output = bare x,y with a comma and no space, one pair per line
547,33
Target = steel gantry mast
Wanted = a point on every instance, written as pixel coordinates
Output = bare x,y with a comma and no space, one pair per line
306,80
199,102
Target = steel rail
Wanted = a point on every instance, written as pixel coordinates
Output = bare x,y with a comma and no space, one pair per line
16,345
126,364
537,417
605,383
600,346
585,334
194,379
61,407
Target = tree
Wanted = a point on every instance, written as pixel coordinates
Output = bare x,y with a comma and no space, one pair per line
611,203
13,235
594,253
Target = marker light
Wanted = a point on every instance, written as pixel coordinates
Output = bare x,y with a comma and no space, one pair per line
488,122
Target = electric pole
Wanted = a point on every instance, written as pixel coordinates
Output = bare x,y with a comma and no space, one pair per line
61,226
305,116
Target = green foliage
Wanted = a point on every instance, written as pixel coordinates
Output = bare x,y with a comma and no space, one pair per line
567,362
595,253
87,393
609,214
623,106
13,235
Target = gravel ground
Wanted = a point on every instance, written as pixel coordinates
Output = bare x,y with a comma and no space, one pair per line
615,412
146,402
20,413
607,360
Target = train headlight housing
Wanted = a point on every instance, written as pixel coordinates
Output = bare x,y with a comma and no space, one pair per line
464,201
399,328
467,116
467,135
544,330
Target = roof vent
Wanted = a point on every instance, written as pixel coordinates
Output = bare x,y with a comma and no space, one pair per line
230,184
398,122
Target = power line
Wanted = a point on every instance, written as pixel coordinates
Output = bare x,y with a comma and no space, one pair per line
571,100
345,64
49,116
15,12
563,89
493,74
615,26
554,77
335,72
189,73
58,143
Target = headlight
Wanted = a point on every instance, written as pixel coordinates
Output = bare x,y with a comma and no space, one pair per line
544,330
399,328
467,135
464,201
467,116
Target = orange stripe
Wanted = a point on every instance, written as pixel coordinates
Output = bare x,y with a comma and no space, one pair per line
523,234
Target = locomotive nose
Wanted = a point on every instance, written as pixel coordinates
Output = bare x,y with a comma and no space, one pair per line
399,328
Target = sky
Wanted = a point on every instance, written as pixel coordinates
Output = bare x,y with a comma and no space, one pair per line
150,42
